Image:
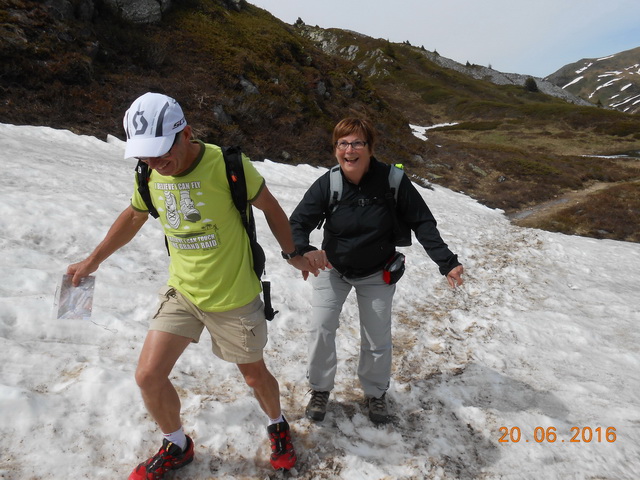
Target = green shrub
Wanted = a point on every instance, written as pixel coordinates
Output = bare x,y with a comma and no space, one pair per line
620,128
484,108
530,85
527,167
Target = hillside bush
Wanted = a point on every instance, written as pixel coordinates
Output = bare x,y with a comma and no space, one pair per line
620,128
546,111
530,85
483,108
517,166
513,196
435,95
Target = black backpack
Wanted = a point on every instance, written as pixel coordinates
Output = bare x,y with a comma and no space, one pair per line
238,186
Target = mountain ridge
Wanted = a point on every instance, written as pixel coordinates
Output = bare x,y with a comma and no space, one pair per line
326,39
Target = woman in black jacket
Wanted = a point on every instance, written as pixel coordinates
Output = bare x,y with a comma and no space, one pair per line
360,235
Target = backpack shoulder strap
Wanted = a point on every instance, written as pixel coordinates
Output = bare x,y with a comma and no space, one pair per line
238,187
143,173
335,188
402,232
335,193
395,177
237,184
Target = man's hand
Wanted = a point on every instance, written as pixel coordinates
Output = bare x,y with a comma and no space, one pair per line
80,270
454,277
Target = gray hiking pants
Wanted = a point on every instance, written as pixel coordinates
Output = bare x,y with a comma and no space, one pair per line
374,298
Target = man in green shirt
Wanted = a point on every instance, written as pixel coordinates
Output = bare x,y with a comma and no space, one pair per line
211,282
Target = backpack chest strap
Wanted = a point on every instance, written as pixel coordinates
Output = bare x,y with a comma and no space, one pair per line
364,202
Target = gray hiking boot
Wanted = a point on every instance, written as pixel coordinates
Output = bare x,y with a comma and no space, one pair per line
378,410
317,406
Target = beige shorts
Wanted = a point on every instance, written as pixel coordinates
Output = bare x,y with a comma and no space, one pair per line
237,336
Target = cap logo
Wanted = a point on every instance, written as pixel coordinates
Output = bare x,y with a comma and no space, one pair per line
142,127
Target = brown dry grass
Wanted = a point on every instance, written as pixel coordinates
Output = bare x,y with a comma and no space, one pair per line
608,211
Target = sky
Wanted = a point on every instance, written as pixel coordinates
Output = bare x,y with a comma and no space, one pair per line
541,342
529,38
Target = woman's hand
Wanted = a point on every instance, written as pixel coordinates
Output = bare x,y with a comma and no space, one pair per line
318,261
454,277
302,263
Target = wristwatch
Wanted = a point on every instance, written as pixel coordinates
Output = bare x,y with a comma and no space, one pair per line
289,256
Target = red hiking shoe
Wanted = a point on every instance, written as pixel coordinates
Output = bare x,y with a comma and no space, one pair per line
283,456
169,457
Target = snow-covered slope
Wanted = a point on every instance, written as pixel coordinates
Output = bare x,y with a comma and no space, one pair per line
529,371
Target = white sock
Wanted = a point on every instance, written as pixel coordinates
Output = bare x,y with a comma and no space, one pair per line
273,421
177,438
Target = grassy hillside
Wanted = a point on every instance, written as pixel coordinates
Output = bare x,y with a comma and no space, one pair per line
243,77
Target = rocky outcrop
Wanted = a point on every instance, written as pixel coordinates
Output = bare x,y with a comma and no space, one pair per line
500,78
67,10
139,11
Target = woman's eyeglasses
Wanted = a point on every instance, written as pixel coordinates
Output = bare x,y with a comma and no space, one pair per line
357,145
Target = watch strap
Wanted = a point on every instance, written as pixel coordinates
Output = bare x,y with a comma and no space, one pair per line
289,256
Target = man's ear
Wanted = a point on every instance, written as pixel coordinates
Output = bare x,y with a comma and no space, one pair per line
188,132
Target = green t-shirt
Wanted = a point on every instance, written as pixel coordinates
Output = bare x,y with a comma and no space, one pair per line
211,261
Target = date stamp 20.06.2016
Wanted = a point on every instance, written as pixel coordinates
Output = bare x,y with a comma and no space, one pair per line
550,435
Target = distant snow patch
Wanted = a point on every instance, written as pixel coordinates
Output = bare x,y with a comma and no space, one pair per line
420,132
573,81
578,72
608,84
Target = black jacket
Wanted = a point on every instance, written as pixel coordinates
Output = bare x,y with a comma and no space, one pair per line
359,238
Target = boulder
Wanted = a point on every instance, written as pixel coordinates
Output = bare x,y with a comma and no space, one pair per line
139,11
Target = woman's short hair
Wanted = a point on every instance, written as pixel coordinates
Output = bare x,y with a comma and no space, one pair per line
352,125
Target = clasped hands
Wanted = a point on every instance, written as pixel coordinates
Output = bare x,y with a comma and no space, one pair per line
312,262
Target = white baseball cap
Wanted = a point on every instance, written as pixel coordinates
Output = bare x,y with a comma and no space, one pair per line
151,124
